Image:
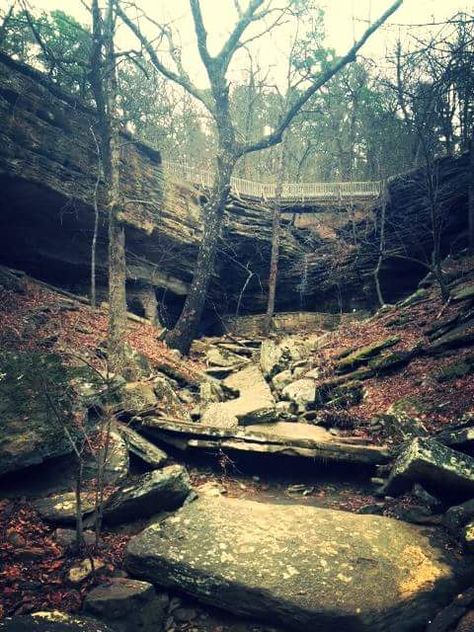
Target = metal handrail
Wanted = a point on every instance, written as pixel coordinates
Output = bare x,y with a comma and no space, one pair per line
304,191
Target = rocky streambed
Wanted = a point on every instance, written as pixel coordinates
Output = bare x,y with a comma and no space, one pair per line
235,492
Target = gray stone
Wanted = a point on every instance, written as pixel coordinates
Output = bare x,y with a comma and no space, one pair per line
52,622
276,356
280,380
210,392
219,416
433,465
254,405
224,358
30,432
142,448
458,517
336,571
81,571
468,537
363,355
137,398
67,537
61,508
149,494
126,605
168,401
302,393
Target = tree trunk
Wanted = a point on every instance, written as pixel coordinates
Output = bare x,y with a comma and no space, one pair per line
272,279
183,334
104,86
273,276
471,197
381,256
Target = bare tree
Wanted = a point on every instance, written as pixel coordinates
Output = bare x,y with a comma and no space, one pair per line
229,147
103,77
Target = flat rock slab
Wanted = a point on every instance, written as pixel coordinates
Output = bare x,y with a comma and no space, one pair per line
142,448
283,438
303,567
254,405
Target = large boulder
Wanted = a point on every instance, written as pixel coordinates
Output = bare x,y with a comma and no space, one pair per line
458,516
52,622
37,403
435,466
127,605
149,494
335,571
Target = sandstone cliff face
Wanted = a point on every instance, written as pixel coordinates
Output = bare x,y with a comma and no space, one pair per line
49,181
49,184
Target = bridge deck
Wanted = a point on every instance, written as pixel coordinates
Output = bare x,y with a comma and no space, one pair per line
298,193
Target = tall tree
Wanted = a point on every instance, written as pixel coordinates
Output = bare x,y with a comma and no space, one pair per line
229,147
103,76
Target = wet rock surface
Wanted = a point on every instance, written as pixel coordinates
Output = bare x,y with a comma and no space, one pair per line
336,570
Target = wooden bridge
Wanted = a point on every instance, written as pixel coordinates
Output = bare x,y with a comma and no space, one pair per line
300,194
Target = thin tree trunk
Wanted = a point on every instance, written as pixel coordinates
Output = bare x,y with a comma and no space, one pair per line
471,196
183,334
275,255
272,279
79,522
381,256
117,270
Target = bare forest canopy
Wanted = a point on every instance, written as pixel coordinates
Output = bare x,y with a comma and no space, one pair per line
88,125
371,121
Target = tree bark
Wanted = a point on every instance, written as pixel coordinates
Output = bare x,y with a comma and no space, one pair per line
273,276
183,334
104,86
381,256
471,196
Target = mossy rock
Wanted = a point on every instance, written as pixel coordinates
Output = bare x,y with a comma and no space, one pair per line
417,297
363,355
411,405
392,361
464,293
339,395
458,369
37,403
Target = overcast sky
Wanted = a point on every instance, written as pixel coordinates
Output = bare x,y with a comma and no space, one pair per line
344,20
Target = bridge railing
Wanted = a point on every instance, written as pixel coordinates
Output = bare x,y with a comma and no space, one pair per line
291,192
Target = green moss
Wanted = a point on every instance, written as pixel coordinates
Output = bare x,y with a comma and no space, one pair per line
340,396
362,355
464,293
457,369
36,402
